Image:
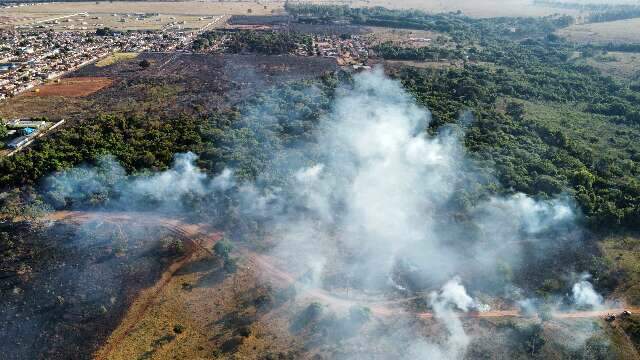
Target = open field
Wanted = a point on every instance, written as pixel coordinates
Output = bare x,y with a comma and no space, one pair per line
71,87
404,37
173,83
188,11
623,252
116,58
623,31
193,9
198,310
623,65
123,22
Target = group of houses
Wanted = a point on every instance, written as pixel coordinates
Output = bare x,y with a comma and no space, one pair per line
30,57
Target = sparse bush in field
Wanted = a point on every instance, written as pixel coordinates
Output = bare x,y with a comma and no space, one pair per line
230,265
178,328
359,314
244,331
222,248
232,345
310,314
172,246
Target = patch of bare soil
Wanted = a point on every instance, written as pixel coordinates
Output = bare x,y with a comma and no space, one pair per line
71,87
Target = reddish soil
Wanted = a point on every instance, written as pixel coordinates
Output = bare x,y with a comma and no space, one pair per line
72,87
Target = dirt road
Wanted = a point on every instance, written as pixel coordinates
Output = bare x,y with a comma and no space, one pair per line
200,237
197,238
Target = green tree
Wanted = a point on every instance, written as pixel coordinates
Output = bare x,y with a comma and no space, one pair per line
3,130
222,248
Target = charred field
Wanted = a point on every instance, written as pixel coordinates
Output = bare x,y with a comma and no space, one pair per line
76,293
174,83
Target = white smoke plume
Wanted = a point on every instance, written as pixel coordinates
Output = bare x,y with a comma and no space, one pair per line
162,191
371,207
376,203
584,295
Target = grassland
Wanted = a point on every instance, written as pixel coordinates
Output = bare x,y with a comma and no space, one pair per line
607,139
188,11
623,65
623,31
623,254
71,87
116,58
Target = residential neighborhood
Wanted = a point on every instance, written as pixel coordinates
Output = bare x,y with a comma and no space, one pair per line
29,57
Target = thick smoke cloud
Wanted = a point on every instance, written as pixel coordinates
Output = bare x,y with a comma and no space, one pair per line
376,210
584,295
372,204
108,185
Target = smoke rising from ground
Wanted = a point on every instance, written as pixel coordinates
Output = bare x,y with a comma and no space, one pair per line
376,211
163,191
583,294
375,203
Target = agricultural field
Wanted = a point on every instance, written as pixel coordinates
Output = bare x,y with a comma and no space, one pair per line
189,14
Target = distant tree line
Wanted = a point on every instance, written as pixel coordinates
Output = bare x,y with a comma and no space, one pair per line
261,42
598,12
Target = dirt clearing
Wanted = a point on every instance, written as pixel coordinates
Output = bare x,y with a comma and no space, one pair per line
72,87
623,31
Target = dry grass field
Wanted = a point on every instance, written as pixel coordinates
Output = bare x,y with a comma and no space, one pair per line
188,11
621,64
116,58
71,87
623,31
192,10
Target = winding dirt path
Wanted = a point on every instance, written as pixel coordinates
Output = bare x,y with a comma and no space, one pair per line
200,238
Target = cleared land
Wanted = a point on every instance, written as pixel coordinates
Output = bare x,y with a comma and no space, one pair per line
624,253
623,31
116,58
621,64
188,11
191,10
72,87
173,83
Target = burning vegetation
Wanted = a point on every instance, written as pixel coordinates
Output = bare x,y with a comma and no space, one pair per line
297,210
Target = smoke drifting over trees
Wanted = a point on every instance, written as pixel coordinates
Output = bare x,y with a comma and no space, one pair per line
373,203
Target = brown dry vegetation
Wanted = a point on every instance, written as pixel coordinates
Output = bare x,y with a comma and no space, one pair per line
173,83
27,14
623,65
623,31
71,87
